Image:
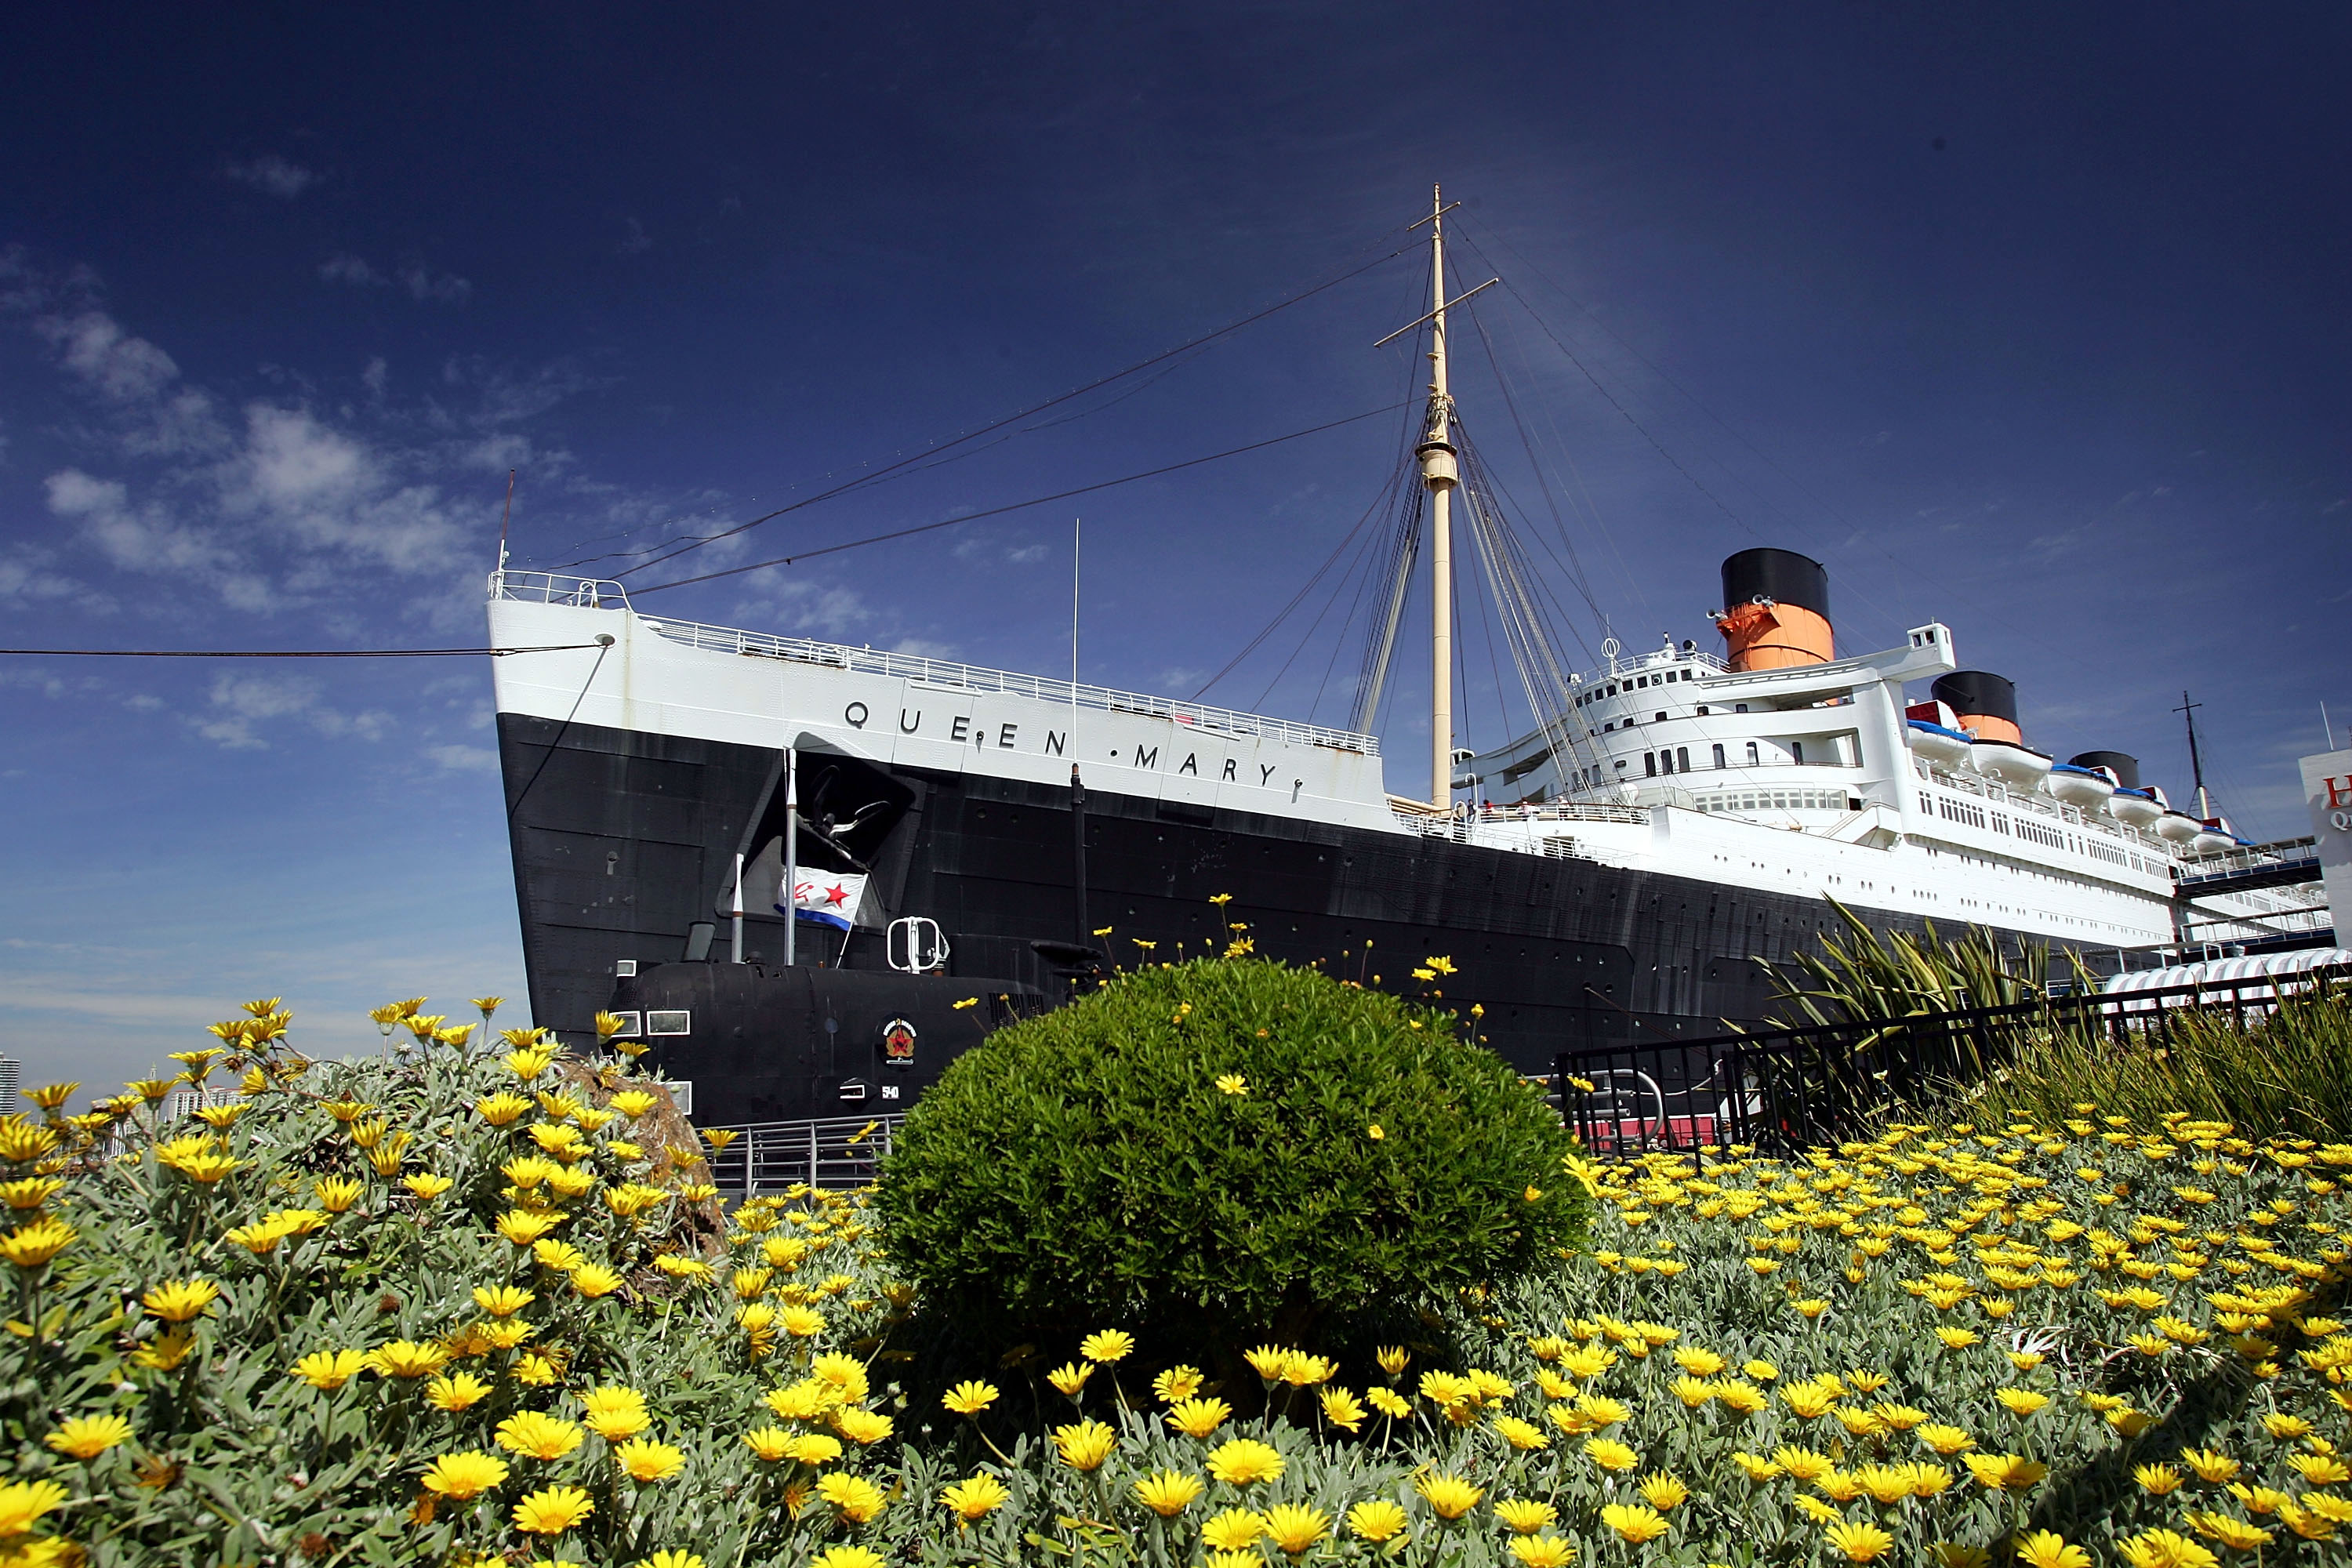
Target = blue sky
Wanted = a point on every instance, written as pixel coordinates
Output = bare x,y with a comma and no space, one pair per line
2032,322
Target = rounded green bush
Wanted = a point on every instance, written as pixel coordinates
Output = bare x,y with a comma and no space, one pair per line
1239,1146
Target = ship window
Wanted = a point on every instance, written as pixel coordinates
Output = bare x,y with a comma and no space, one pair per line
1751,754
1740,707
632,1024
677,1022
1796,750
1682,758
1650,763
1612,688
1662,719
1718,756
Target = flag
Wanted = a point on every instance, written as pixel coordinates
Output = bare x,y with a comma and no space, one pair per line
826,898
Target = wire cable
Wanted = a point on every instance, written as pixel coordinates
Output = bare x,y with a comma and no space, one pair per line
1016,505
296,652
1205,339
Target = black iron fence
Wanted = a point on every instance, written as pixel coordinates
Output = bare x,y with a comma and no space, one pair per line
1820,1084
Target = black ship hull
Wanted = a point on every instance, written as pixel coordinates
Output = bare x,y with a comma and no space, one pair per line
625,845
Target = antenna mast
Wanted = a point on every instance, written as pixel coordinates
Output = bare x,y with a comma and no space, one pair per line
2188,710
1439,471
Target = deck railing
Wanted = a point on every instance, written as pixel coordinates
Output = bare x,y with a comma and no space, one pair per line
543,587
832,1154
1820,1084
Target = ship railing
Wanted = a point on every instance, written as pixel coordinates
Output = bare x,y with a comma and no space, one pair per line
1463,828
833,1153
2232,865
1994,793
923,670
557,588
1816,1085
1657,658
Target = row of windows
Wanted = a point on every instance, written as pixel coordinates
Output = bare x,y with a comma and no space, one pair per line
1676,760
1953,810
1639,683
1782,800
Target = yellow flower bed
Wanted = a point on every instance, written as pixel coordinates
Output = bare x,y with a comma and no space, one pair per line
276,1340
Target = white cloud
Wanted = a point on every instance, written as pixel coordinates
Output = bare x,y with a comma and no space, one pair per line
344,267
97,350
804,606
24,574
446,288
241,704
1028,554
140,540
465,758
274,175
328,491
374,376
637,241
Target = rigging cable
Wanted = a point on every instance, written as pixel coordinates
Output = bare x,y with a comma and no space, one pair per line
1015,506
1574,567
297,653
1387,491
1026,413
1284,614
1309,634
943,459
1891,621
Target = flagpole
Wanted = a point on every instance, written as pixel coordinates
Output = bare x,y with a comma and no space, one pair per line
792,852
737,940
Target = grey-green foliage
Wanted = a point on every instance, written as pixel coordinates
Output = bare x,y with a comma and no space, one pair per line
233,1459
2288,1074
1084,1168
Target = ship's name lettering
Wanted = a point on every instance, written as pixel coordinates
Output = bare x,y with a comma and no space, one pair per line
961,729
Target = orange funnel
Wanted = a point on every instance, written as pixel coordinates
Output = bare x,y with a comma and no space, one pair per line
1776,610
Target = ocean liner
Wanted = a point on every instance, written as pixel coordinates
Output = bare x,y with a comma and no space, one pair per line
957,845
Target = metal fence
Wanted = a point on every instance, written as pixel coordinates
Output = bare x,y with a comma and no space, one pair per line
1817,1085
834,1154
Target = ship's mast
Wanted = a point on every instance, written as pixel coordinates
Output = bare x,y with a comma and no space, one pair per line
1439,471
2188,710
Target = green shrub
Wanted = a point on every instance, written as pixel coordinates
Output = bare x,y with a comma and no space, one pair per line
1237,1148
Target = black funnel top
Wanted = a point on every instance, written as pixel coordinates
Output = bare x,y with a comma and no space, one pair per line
1977,692
2125,768
1782,575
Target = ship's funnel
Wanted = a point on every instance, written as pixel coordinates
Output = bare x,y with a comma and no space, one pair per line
1986,704
1776,610
2125,768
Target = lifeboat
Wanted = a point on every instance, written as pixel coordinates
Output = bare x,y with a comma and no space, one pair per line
2178,828
2009,762
2213,835
2085,788
2134,808
1937,743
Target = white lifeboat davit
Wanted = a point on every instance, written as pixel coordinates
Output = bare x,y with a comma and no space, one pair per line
2178,828
1937,742
2085,788
2134,808
2010,763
